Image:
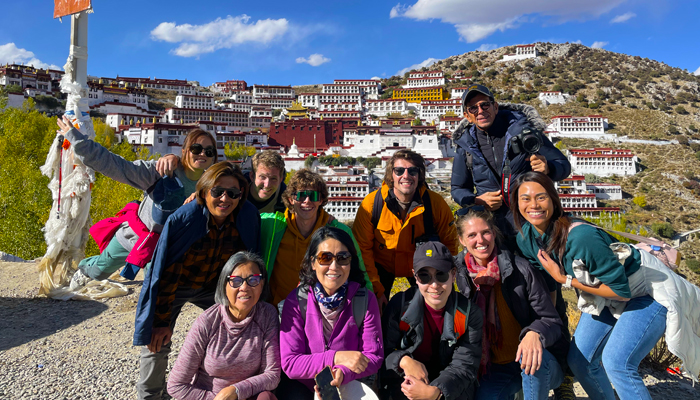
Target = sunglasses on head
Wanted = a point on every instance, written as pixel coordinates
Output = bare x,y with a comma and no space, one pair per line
313,195
484,105
237,281
326,258
413,171
232,193
426,277
197,148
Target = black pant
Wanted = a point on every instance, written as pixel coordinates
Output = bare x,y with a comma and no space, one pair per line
387,278
292,389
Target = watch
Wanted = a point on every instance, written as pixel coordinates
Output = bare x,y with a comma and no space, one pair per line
567,284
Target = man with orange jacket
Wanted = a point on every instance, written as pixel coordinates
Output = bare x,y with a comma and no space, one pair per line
388,227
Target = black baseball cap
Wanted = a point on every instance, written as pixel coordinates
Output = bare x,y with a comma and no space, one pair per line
432,254
473,91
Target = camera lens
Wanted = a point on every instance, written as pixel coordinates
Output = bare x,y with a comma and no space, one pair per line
531,143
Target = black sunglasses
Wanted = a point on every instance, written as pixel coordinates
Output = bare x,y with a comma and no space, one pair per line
237,281
232,193
413,171
426,278
197,148
484,105
326,258
313,195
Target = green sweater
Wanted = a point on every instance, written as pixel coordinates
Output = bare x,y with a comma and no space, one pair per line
272,228
590,245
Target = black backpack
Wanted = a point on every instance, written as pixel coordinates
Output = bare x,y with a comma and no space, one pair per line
430,233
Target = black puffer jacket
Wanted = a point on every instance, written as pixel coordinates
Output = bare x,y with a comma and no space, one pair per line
527,297
510,121
459,358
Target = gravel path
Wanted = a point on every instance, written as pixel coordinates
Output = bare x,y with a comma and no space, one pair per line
82,349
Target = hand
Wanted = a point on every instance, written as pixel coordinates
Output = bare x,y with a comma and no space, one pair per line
65,125
414,368
355,361
530,349
189,199
338,377
491,200
551,266
382,302
159,337
539,164
227,393
167,164
416,389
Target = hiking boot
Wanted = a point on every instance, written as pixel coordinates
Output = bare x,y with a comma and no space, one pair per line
565,391
78,280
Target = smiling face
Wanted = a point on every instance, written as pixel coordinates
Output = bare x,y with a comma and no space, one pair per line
222,206
305,209
535,205
334,275
479,240
243,298
435,294
266,181
405,185
200,161
482,118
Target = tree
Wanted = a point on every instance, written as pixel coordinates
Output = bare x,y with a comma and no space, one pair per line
663,229
640,201
309,162
371,162
236,151
417,122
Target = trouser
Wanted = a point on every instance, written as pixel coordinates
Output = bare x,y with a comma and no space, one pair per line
292,389
152,366
606,350
110,260
503,381
387,278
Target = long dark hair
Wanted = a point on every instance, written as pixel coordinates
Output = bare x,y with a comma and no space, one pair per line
559,224
307,276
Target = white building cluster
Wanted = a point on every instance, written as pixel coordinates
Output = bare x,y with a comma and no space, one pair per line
431,111
425,79
602,161
590,127
522,52
581,199
347,187
547,98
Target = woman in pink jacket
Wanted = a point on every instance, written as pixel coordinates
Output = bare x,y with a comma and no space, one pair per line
321,326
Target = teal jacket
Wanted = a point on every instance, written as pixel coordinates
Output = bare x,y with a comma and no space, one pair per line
272,228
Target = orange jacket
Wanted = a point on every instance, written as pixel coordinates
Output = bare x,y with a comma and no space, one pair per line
392,244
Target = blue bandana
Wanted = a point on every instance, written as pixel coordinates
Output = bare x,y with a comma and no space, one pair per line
330,302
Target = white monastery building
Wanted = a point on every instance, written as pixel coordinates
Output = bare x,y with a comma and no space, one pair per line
203,102
370,88
388,141
309,99
602,161
590,127
425,79
547,98
522,52
381,108
347,187
579,198
431,111
458,92
274,96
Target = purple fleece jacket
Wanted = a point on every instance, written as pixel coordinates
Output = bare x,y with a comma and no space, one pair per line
304,350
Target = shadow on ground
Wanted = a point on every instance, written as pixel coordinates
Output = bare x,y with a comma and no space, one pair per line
27,319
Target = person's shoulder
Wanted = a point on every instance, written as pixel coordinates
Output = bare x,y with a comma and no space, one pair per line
267,314
210,317
583,231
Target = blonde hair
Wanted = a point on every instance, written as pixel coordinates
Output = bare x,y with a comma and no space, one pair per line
269,159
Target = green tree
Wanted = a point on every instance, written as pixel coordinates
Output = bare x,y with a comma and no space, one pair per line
309,162
640,200
417,122
236,151
371,162
663,229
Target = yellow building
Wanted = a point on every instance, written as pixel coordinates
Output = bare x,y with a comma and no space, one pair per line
297,111
416,95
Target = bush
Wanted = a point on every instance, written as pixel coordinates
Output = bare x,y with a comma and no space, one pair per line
663,229
640,201
693,264
680,110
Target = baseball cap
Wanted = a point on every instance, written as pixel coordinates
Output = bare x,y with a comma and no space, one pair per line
473,91
432,254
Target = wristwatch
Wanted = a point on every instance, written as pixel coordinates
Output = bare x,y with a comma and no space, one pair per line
567,284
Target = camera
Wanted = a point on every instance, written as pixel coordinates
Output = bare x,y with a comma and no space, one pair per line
528,141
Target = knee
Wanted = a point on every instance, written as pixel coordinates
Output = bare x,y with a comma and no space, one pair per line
576,360
613,361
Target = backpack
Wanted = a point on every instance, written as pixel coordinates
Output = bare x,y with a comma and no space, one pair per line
428,225
460,312
360,303
665,253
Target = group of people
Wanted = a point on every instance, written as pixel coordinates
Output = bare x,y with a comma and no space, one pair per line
288,290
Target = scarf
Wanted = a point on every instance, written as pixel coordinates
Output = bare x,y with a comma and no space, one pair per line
330,302
485,278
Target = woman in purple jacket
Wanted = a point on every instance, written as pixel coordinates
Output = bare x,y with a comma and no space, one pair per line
319,327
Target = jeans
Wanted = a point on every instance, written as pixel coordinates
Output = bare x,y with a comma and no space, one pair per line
606,350
503,381
152,366
110,260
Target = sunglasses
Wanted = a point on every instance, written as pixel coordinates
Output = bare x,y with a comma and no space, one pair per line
326,258
313,195
413,171
426,278
232,193
237,281
197,148
484,105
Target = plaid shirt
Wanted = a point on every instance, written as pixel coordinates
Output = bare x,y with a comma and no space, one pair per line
198,267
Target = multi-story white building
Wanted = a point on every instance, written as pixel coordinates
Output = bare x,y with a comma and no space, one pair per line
101,96
425,79
449,124
385,142
522,52
605,191
547,98
176,85
331,98
229,86
129,116
274,96
381,108
602,161
347,187
431,111
370,88
578,199
339,88
242,97
458,92
309,99
590,127
201,102
236,119
32,80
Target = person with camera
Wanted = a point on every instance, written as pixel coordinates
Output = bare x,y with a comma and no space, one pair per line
495,144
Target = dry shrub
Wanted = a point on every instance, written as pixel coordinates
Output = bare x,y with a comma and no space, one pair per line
660,358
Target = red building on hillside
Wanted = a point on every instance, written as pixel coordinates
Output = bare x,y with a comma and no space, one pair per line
309,135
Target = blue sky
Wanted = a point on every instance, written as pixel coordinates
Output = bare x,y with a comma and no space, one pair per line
304,42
